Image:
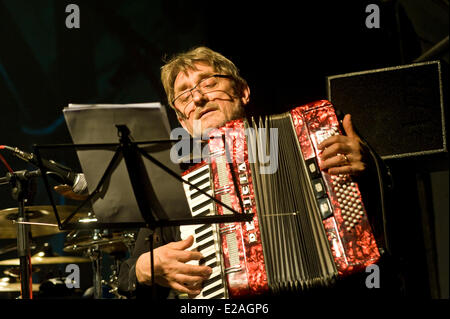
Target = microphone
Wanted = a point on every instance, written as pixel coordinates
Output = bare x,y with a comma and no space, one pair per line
59,172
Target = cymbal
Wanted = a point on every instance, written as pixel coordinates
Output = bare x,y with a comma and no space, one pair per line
36,214
13,247
107,245
38,260
15,286
15,271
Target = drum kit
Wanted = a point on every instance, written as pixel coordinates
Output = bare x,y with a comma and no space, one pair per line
92,244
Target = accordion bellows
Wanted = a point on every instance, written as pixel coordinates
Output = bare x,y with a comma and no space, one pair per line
308,227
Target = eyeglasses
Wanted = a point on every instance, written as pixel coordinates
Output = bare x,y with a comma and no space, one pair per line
206,85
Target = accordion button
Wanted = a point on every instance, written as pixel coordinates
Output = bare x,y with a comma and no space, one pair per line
352,225
355,221
348,228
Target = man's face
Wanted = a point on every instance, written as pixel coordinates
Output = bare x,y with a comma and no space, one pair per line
210,110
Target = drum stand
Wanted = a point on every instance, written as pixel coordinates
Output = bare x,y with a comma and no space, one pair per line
113,278
20,182
96,257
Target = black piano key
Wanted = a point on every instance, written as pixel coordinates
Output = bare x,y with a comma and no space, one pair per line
211,280
197,193
212,290
200,182
204,213
204,236
201,205
198,175
205,245
204,260
213,264
202,228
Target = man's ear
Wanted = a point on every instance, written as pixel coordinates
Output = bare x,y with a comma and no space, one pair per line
245,96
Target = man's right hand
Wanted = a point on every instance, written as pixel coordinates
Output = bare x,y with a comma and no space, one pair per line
171,269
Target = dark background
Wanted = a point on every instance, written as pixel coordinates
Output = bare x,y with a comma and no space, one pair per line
284,51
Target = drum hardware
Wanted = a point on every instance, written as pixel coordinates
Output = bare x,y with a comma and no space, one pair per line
22,185
93,244
96,257
113,281
115,243
56,288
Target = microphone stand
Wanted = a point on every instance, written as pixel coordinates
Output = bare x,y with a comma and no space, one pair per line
20,182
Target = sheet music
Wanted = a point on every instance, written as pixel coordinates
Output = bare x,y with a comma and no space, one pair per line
90,123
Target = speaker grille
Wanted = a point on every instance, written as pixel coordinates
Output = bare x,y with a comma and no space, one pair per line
398,110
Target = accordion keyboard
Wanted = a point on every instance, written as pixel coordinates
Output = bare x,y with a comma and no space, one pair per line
206,236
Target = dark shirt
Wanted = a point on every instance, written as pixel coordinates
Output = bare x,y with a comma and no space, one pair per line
128,284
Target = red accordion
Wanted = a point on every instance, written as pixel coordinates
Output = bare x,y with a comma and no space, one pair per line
308,228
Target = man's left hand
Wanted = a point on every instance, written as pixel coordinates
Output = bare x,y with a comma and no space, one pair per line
343,154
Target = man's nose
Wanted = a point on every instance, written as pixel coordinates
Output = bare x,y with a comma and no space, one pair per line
198,97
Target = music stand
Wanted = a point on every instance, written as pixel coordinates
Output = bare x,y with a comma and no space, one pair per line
149,206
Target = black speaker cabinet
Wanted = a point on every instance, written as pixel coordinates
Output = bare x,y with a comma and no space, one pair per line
398,110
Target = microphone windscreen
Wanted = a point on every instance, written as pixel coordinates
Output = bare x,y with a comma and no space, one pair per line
80,185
